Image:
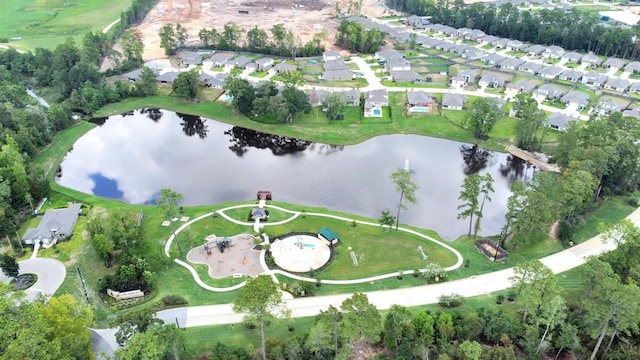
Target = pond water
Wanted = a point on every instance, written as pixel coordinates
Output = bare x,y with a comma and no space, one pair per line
131,157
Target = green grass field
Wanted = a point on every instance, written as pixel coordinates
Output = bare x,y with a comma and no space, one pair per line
47,23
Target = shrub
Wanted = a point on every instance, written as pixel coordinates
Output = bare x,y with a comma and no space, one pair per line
565,232
634,201
450,301
172,300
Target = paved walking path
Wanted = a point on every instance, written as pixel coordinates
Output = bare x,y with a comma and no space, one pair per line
414,296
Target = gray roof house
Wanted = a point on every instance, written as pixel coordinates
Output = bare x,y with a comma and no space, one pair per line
491,81
473,53
608,106
522,86
330,55
417,21
317,96
493,59
56,224
419,101
576,98
487,39
448,31
635,88
168,77
535,50
553,52
387,55
559,121
264,63
591,59
397,64
613,63
594,78
550,72
191,58
135,74
549,91
427,41
571,75
617,84
475,34
530,67
462,32
330,75
572,56
453,101
335,65
216,82
515,45
500,43
405,76
445,46
241,62
374,100
283,67
633,67
352,97
633,113
510,63
220,59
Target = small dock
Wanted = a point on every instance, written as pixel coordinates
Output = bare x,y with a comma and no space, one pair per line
528,157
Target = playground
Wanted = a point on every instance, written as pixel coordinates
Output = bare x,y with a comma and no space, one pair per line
227,256
300,253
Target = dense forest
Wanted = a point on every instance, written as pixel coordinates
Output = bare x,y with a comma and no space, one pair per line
578,31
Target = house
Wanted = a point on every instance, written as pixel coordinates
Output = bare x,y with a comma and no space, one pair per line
487,39
633,67
493,59
352,97
613,63
501,43
591,59
328,236
388,55
530,67
445,46
635,88
453,101
464,78
462,32
617,84
419,22
338,75
420,101
535,50
571,75
405,76
258,213
474,35
331,56
572,56
520,86
550,72
241,62
473,53
548,91
434,28
594,78
215,82
374,100
317,96
608,106
427,41
448,31
510,63
335,65
135,74
264,63
56,224
220,59
515,45
632,113
191,58
575,99
168,77
491,81
559,121
283,67
553,52
397,64
349,97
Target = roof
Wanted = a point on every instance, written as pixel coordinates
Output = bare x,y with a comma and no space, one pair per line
576,97
377,96
536,49
135,74
427,41
572,56
632,66
387,55
549,90
633,113
571,74
523,85
445,46
331,54
492,79
337,75
617,83
559,120
168,77
487,39
242,61
493,58
550,71
284,67
258,213
419,97
469,73
192,58
530,67
594,77
328,234
336,65
58,222
264,61
511,63
398,62
591,59
453,100
614,63
555,50
405,75
220,58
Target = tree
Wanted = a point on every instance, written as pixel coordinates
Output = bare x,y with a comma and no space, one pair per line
322,339
553,313
132,46
70,320
333,105
530,121
297,100
471,350
142,346
407,189
9,265
386,220
168,39
257,40
534,282
469,196
567,338
397,328
186,84
486,187
181,35
360,321
230,36
134,321
169,199
482,115
147,84
260,299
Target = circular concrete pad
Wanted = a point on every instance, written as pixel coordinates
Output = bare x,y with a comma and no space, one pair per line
300,253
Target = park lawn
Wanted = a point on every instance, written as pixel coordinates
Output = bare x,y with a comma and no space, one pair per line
48,23
378,251
242,214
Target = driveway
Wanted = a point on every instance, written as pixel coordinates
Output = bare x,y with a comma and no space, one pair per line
51,274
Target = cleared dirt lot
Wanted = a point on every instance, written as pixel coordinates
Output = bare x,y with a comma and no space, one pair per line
304,17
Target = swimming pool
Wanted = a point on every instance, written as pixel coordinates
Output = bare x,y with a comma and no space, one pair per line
377,112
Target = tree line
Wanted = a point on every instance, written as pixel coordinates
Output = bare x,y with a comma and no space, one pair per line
575,30
278,41
354,37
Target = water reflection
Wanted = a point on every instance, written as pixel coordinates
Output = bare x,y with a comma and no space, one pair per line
517,169
132,157
192,125
153,114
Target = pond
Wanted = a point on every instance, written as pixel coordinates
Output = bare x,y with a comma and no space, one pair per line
131,157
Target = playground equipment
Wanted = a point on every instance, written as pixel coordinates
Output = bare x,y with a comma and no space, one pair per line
354,258
424,256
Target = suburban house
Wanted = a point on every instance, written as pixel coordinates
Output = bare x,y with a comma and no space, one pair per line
349,97
571,75
515,45
445,46
472,53
405,76
493,59
135,74
632,113
487,39
220,59
548,92
572,56
330,56
336,65
168,77
501,43
462,32
633,67
191,58
215,82
448,31
530,67
613,63
283,67
553,52
520,86
550,72
575,99
339,75
535,50
419,101
241,62
56,224
264,64
491,81
427,41
388,55
635,88
374,100
419,22
510,63
397,64
352,97
453,101
559,121
464,78
617,84
475,34
608,106
594,78
591,59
